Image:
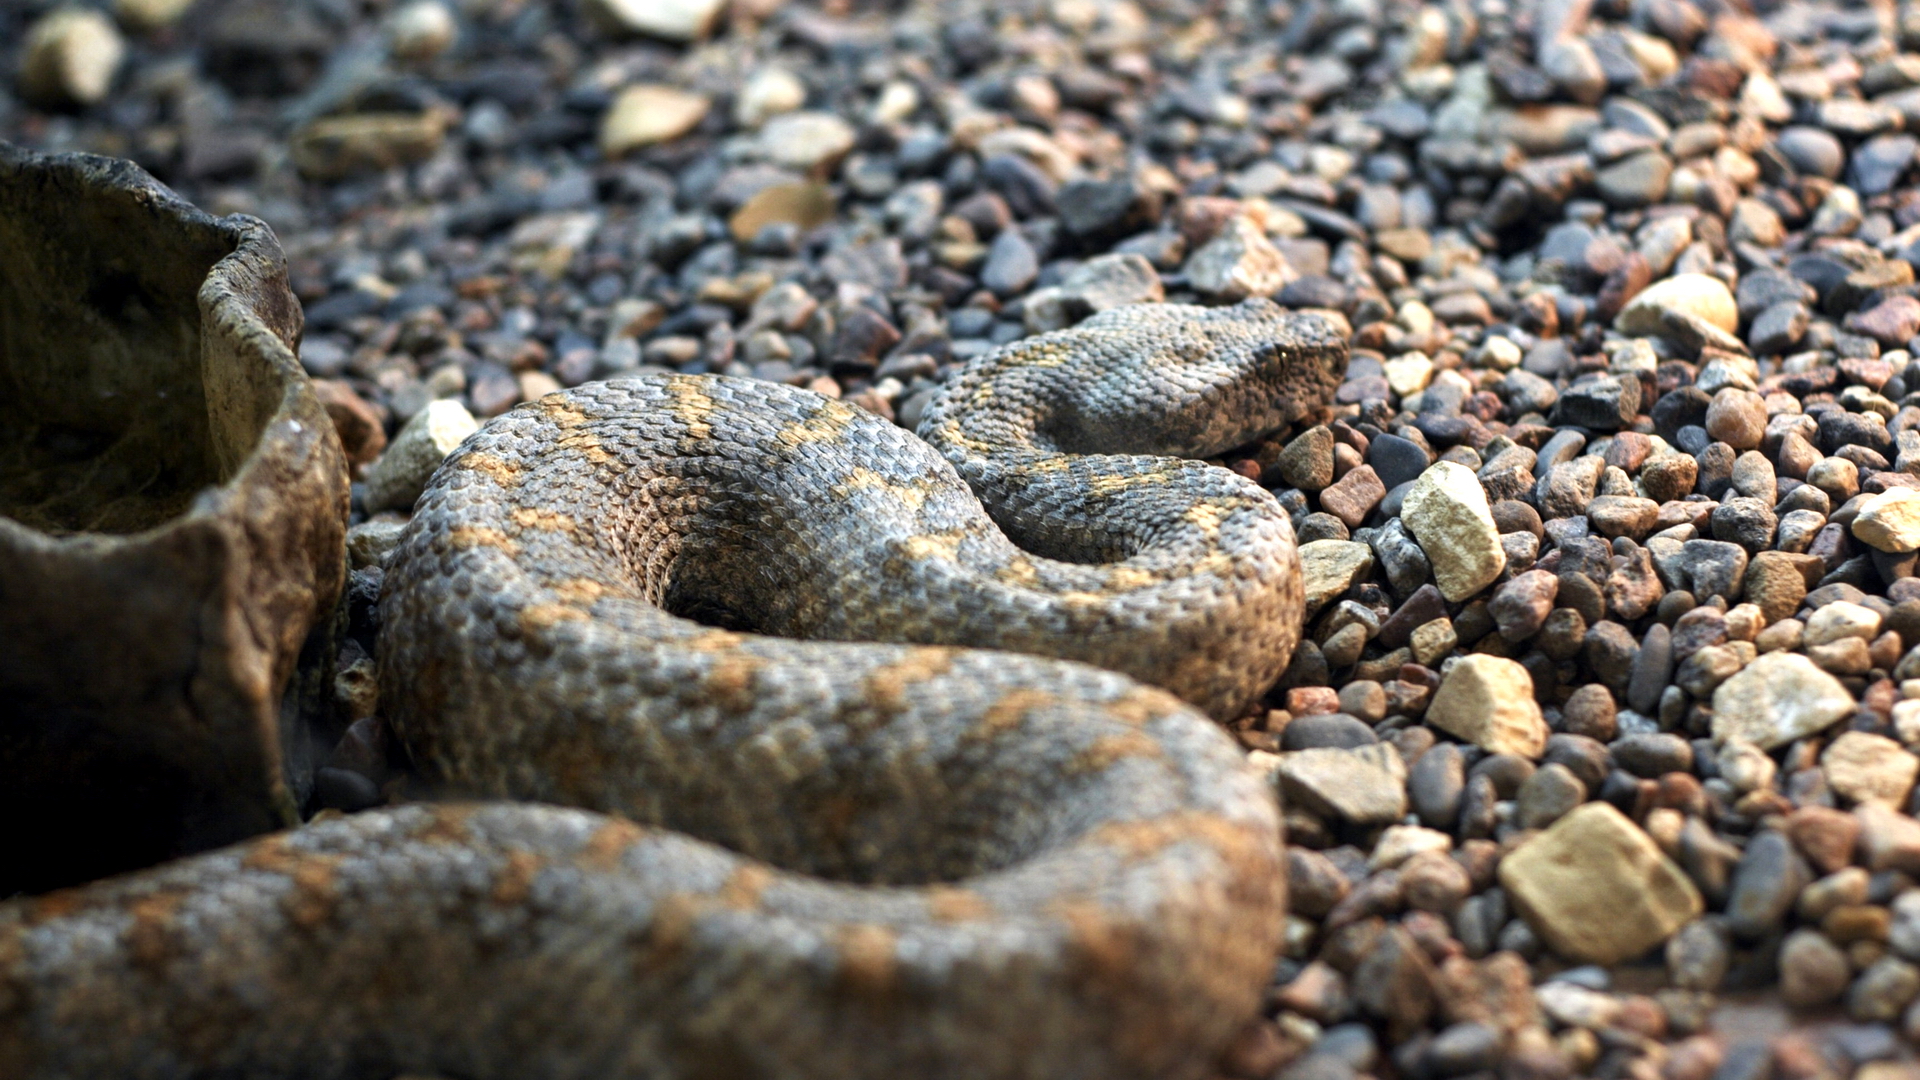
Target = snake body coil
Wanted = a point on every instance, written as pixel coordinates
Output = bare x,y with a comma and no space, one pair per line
922,858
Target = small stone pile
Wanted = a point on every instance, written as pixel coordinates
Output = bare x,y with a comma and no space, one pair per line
1599,759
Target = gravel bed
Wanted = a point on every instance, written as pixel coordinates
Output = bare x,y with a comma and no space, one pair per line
1600,758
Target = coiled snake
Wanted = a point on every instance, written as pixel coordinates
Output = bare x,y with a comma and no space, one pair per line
918,859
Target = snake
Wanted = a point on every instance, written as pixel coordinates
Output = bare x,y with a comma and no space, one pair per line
774,742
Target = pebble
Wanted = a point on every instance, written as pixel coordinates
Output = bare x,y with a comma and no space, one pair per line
1365,786
1447,512
71,55
1597,888
646,114
1330,567
1238,263
673,20
768,93
1890,521
1352,497
1307,462
401,474
1488,701
1776,699
422,30
1605,403
1765,884
805,206
1697,295
1865,767
806,141
1737,417
1813,970
1113,280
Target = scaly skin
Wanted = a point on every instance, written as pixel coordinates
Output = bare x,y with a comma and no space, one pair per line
858,859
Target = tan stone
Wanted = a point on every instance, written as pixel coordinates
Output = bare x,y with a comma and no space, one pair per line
71,55
1890,521
1776,699
336,147
768,93
1701,296
1238,262
1447,512
647,114
1869,768
1330,567
397,479
1366,786
1432,641
812,141
1596,888
671,20
806,205
1488,701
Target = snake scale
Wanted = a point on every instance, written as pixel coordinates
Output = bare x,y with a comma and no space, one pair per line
665,598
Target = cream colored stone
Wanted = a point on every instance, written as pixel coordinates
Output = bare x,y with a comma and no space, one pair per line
1488,701
1365,786
769,92
1398,843
1840,619
647,114
1869,768
1330,567
810,142
1597,889
1778,698
149,14
1890,521
71,56
1447,512
401,474
673,20
1700,295
1409,373
422,30
1238,263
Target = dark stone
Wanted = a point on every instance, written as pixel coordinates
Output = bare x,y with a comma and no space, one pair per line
1098,212
1765,884
1680,408
1652,670
1336,730
1396,460
1435,785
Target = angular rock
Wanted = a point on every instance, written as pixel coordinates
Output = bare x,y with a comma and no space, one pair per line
1865,767
1776,699
1488,701
1365,786
1890,521
1447,512
401,474
1330,567
1238,263
1596,888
